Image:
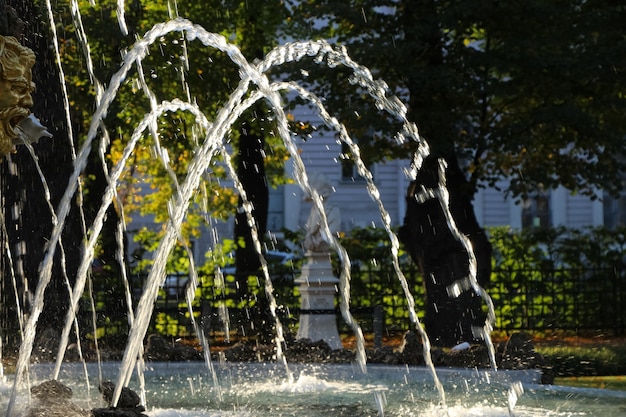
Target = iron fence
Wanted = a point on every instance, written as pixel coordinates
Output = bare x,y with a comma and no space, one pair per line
578,300
560,299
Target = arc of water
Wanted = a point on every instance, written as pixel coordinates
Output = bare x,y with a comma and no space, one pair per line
149,123
378,90
345,273
247,206
224,120
110,193
190,290
225,115
73,320
193,282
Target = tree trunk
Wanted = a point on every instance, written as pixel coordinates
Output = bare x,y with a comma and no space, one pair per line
442,258
251,173
425,233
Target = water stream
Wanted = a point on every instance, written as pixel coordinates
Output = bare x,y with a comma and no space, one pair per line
222,389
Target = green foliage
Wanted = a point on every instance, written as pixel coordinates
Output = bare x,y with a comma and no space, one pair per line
148,240
175,67
166,325
536,248
557,278
537,284
530,91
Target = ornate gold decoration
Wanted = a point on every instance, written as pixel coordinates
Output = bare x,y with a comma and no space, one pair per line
17,124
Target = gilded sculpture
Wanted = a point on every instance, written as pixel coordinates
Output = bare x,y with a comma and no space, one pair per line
17,124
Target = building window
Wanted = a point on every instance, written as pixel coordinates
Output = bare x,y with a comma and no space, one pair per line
349,171
536,211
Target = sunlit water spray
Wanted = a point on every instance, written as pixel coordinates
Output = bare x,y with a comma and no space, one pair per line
211,147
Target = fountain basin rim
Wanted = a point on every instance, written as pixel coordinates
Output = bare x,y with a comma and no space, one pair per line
399,372
597,392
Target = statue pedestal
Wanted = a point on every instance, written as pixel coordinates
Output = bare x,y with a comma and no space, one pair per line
318,286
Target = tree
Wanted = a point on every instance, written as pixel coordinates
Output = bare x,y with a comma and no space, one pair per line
528,91
179,68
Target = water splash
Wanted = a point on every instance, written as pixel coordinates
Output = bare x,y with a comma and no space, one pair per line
212,146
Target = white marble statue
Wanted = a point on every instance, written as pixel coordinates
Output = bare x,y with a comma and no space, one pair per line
316,239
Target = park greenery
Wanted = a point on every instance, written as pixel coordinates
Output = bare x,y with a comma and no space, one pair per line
530,93
525,96
520,96
536,284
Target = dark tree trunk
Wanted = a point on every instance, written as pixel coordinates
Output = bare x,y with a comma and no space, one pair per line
251,173
425,233
442,258
27,214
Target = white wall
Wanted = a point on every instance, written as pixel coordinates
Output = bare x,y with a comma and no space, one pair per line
493,209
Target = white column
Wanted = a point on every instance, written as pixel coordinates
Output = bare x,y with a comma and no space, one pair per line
292,200
558,206
598,210
515,214
318,286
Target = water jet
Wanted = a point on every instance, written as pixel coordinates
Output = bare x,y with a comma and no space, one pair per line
279,388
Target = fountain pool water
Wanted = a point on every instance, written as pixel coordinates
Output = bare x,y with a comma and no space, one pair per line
247,390
226,389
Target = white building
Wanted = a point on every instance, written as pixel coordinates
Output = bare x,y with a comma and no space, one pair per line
321,153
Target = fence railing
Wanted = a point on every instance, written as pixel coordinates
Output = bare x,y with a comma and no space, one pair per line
578,300
565,299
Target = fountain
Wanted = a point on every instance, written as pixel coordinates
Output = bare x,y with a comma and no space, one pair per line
280,388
